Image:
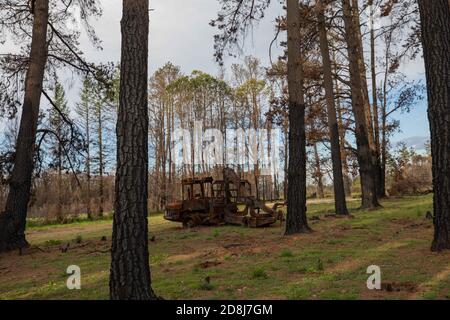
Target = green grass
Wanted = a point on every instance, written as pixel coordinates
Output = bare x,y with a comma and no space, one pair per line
50,243
329,263
286,253
206,286
259,273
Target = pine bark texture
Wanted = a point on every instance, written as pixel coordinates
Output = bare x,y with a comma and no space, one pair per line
381,179
13,220
340,121
338,179
296,221
130,271
362,124
435,21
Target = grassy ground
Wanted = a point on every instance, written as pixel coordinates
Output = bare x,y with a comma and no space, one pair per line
246,263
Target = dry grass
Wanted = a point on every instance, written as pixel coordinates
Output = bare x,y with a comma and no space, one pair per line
246,263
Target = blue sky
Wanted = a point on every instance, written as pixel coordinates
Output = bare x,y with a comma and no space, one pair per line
414,125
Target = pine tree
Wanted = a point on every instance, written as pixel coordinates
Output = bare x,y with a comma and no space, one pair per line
83,110
130,269
435,16
59,141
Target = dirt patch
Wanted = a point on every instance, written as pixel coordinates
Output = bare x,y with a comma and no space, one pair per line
234,245
402,221
184,257
339,231
209,264
339,216
17,267
399,287
39,235
430,284
418,225
352,264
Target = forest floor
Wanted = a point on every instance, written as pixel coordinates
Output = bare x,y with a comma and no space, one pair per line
242,263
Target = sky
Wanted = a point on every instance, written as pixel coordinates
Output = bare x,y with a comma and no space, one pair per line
180,33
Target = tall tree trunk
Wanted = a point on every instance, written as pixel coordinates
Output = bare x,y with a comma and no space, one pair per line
296,221
100,162
169,148
341,128
384,137
286,160
435,17
163,190
338,180
255,118
59,213
88,165
381,189
356,24
156,195
59,150
344,161
13,220
362,128
365,94
130,271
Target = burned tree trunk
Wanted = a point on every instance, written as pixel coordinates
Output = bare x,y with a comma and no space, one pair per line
13,220
370,117
338,180
130,271
435,17
380,176
296,221
341,129
362,127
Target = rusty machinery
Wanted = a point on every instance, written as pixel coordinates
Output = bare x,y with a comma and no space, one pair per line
206,201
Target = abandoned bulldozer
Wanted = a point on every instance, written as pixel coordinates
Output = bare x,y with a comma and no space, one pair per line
206,201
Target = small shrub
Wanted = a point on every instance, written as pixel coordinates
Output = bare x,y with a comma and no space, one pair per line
206,286
50,243
419,212
320,265
302,269
311,270
286,254
259,274
78,239
297,269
